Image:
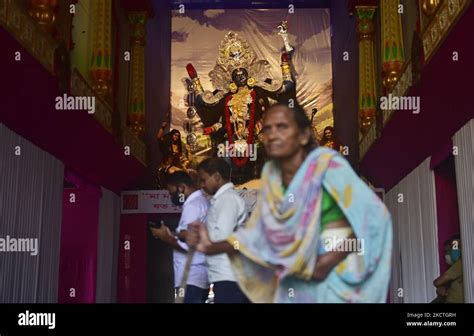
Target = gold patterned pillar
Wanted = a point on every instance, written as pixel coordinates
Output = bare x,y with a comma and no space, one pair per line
393,54
367,91
43,12
136,109
101,61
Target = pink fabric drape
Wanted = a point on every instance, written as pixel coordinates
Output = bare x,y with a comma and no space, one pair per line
79,234
132,286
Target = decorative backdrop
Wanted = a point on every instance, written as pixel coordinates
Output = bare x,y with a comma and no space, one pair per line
196,35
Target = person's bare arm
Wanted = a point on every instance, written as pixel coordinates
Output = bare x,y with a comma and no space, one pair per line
165,235
182,235
442,280
326,262
161,132
441,291
217,248
198,236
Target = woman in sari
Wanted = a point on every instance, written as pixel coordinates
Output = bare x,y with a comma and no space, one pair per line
318,233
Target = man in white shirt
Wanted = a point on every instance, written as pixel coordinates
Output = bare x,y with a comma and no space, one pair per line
227,211
184,193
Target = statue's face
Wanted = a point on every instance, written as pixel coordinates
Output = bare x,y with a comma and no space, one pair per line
240,76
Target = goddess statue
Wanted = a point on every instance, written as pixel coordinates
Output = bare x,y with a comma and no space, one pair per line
244,89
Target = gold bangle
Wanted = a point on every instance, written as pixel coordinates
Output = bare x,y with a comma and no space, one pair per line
198,87
286,71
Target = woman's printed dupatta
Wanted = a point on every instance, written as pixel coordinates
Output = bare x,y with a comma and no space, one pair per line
278,245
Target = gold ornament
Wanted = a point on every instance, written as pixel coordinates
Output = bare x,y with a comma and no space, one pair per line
197,86
43,12
286,71
240,145
234,52
429,6
251,82
233,87
389,79
238,107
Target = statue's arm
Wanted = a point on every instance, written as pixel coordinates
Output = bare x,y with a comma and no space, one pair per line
209,112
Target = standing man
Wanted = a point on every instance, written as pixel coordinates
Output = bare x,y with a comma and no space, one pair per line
226,213
449,285
184,193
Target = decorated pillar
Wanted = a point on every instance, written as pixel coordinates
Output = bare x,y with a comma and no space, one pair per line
136,109
367,91
43,12
101,67
393,54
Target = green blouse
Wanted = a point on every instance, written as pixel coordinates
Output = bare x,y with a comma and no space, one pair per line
330,211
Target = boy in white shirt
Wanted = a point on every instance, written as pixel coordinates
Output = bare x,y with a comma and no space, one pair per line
227,211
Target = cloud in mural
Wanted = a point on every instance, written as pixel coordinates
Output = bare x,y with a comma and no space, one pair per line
317,42
212,13
202,40
177,36
202,53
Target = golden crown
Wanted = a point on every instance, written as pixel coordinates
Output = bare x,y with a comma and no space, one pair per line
234,52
